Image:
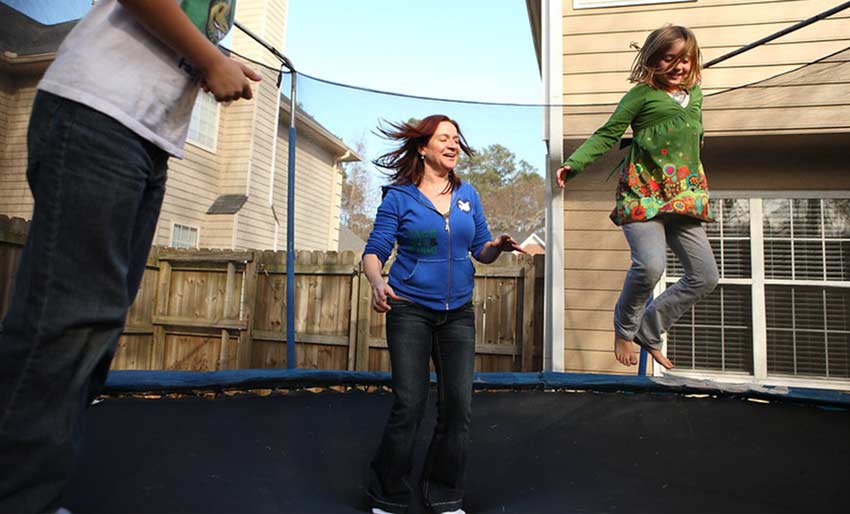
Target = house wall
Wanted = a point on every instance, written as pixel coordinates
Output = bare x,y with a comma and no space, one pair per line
318,186
596,41
242,162
251,164
191,188
255,222
596,255
16,97
596,61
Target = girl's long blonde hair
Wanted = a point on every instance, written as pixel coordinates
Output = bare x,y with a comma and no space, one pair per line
646,67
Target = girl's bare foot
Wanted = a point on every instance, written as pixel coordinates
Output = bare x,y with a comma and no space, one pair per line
626,351
660,358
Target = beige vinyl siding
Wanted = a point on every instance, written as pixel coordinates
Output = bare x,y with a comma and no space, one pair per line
7,90
190,190
217,231
17,97
243,161
314,186
249,130
597,56
596,255
267,19
255,223
596,63
595,259
317,198
336,208
234,146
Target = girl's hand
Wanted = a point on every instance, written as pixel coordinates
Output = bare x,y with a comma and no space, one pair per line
380,292
561,175
505,243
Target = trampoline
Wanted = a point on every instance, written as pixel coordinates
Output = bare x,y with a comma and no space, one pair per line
300,441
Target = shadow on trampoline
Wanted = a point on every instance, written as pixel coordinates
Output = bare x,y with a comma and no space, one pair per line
531,451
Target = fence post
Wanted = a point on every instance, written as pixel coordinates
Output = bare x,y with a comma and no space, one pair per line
13,235
245,350
162,291
228,302
539,314
353,309
364,291
528,309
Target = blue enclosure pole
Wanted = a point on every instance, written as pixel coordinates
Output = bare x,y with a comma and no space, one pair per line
642,363
290,233
290,201
643,352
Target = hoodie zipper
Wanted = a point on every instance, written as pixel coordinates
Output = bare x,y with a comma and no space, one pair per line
448,229
449,237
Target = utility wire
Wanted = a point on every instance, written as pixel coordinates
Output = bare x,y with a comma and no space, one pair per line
390,93
709,64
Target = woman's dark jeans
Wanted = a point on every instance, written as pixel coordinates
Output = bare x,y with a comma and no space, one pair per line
97,188
415,335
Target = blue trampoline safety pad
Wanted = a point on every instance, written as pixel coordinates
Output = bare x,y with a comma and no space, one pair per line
126,381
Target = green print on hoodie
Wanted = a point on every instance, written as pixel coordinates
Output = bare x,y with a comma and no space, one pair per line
214,18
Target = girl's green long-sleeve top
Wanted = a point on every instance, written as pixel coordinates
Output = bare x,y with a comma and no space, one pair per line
662,173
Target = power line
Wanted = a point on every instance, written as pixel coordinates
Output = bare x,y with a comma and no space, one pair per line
391,93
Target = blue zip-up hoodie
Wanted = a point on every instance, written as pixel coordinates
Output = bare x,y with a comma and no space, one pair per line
432,267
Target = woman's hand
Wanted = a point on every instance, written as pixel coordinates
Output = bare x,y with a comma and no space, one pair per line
492,249
561,175
505,243
380,291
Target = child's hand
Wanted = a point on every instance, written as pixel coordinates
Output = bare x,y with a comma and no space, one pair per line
228,80
561,175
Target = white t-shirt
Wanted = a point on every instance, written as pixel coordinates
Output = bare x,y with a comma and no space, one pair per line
681,96
112,64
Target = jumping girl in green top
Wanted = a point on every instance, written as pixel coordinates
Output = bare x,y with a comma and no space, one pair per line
662,194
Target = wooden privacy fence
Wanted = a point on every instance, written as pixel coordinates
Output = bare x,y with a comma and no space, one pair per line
222,309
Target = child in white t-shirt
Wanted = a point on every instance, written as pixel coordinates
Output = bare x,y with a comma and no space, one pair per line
111,108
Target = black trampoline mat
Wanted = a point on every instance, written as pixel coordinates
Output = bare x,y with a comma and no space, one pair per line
532,451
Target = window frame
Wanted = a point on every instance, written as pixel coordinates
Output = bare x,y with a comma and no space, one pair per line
197,229
217,119
601,4
757,283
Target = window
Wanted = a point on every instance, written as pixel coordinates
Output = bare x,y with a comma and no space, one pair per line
183,236
203,127
717,333
807,242
591,4
782,308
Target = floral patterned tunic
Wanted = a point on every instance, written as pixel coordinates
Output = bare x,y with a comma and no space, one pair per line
662,173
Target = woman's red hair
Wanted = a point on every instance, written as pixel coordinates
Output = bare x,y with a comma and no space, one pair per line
404,165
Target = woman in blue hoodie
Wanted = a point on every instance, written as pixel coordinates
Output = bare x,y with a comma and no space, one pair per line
437,221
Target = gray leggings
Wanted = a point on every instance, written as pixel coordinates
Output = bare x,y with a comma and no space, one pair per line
634,320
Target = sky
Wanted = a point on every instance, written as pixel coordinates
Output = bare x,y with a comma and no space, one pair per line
50,11
478,50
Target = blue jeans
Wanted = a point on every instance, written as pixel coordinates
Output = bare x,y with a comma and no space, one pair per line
97,188
415,335
644,324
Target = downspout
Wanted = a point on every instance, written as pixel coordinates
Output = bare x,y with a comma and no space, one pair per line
553,134
250,168
335,226
290,198
273,173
